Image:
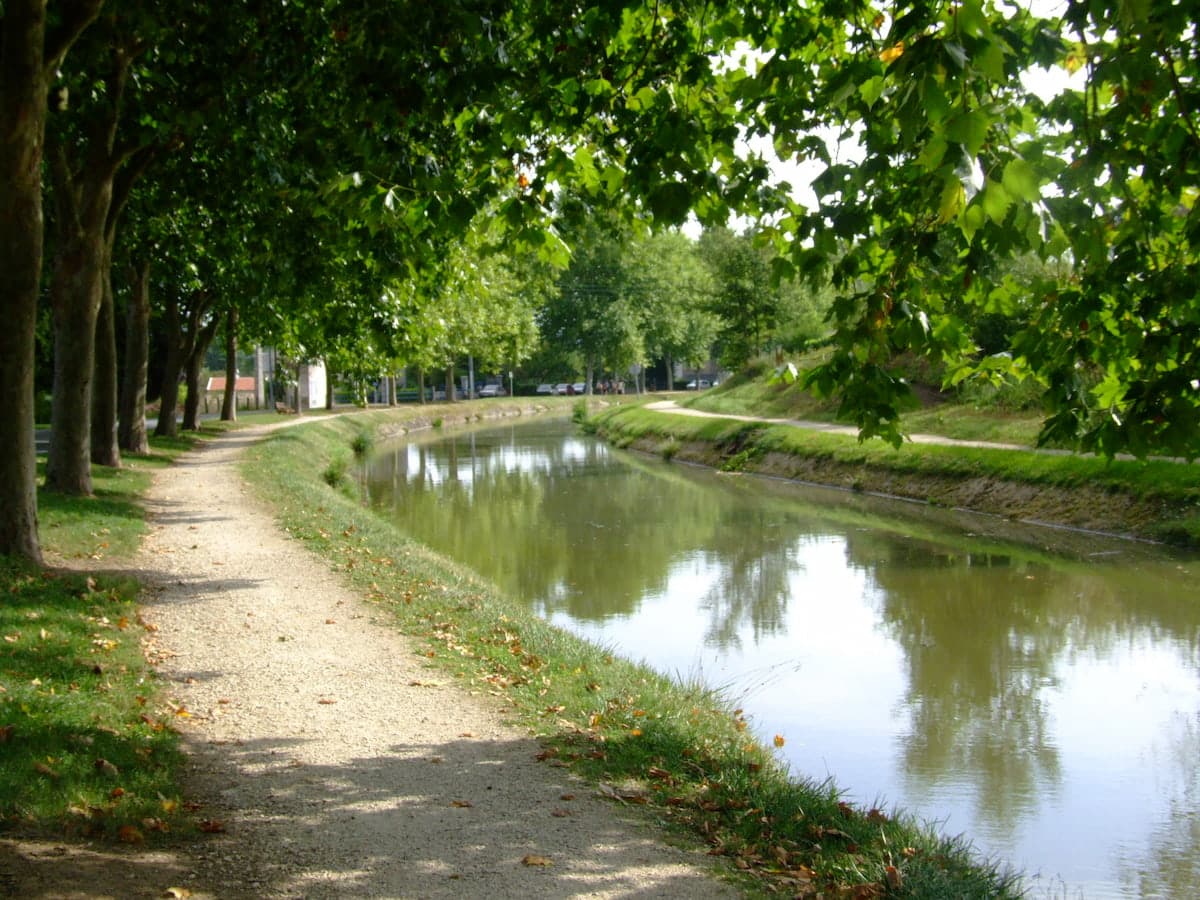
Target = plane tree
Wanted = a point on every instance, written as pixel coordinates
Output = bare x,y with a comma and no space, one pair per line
936,159
32,47
673,289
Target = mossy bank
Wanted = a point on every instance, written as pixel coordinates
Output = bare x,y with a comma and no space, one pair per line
1148,499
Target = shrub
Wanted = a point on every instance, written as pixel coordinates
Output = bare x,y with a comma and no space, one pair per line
362,444
335,473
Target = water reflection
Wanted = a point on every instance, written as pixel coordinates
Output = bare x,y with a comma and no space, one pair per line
1044,699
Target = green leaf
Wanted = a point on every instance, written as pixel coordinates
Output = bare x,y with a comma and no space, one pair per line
969,129
1021,181
970,19
972,220
670,201
952,200
996,201
932,156
585,168
871,90
991,63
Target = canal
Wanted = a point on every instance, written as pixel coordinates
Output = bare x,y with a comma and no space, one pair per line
1037,690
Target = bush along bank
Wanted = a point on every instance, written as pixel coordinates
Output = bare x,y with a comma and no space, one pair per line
679,750
1154,499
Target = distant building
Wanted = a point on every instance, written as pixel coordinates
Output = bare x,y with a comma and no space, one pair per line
245,386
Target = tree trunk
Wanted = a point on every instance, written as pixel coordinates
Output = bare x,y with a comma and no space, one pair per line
105,449
180,342
24,76
229,402
449,384
84,194
168,403
75,292
421,384
131,418
195,357
391,388
106,443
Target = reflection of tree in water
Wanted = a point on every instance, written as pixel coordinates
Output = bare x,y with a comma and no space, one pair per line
981,638
1171,866
755,571
592,536
984,635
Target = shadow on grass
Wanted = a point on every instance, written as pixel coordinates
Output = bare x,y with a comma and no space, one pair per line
81,753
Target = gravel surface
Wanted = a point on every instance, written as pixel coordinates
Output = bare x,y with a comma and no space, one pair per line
337,765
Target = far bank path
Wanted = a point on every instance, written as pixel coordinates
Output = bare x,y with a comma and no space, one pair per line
833,428
336,764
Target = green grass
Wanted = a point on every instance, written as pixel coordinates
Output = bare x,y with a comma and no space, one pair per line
1159,499
986,417
85,745
678,748
86,741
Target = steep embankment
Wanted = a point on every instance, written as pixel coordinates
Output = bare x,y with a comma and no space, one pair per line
1147,499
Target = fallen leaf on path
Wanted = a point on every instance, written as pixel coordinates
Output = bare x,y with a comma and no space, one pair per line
622,794
212,826
462,804
128,834
326,701
532,859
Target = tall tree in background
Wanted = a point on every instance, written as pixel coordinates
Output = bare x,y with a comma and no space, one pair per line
673,290
745,299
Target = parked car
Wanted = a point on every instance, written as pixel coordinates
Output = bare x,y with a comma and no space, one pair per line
580,387
698,384
561,389
492,390
545,389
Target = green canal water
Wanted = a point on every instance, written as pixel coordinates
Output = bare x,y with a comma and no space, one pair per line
1037,690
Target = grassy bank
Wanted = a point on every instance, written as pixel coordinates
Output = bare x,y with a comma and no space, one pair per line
86,742
676,748
1151,499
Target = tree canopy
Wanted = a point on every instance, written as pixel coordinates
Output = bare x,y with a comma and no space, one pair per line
333,154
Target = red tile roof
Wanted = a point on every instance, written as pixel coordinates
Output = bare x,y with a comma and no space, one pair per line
245,384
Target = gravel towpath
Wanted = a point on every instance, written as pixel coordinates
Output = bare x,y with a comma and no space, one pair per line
335,762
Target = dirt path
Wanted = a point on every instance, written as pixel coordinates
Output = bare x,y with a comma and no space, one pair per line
833,428
336,763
